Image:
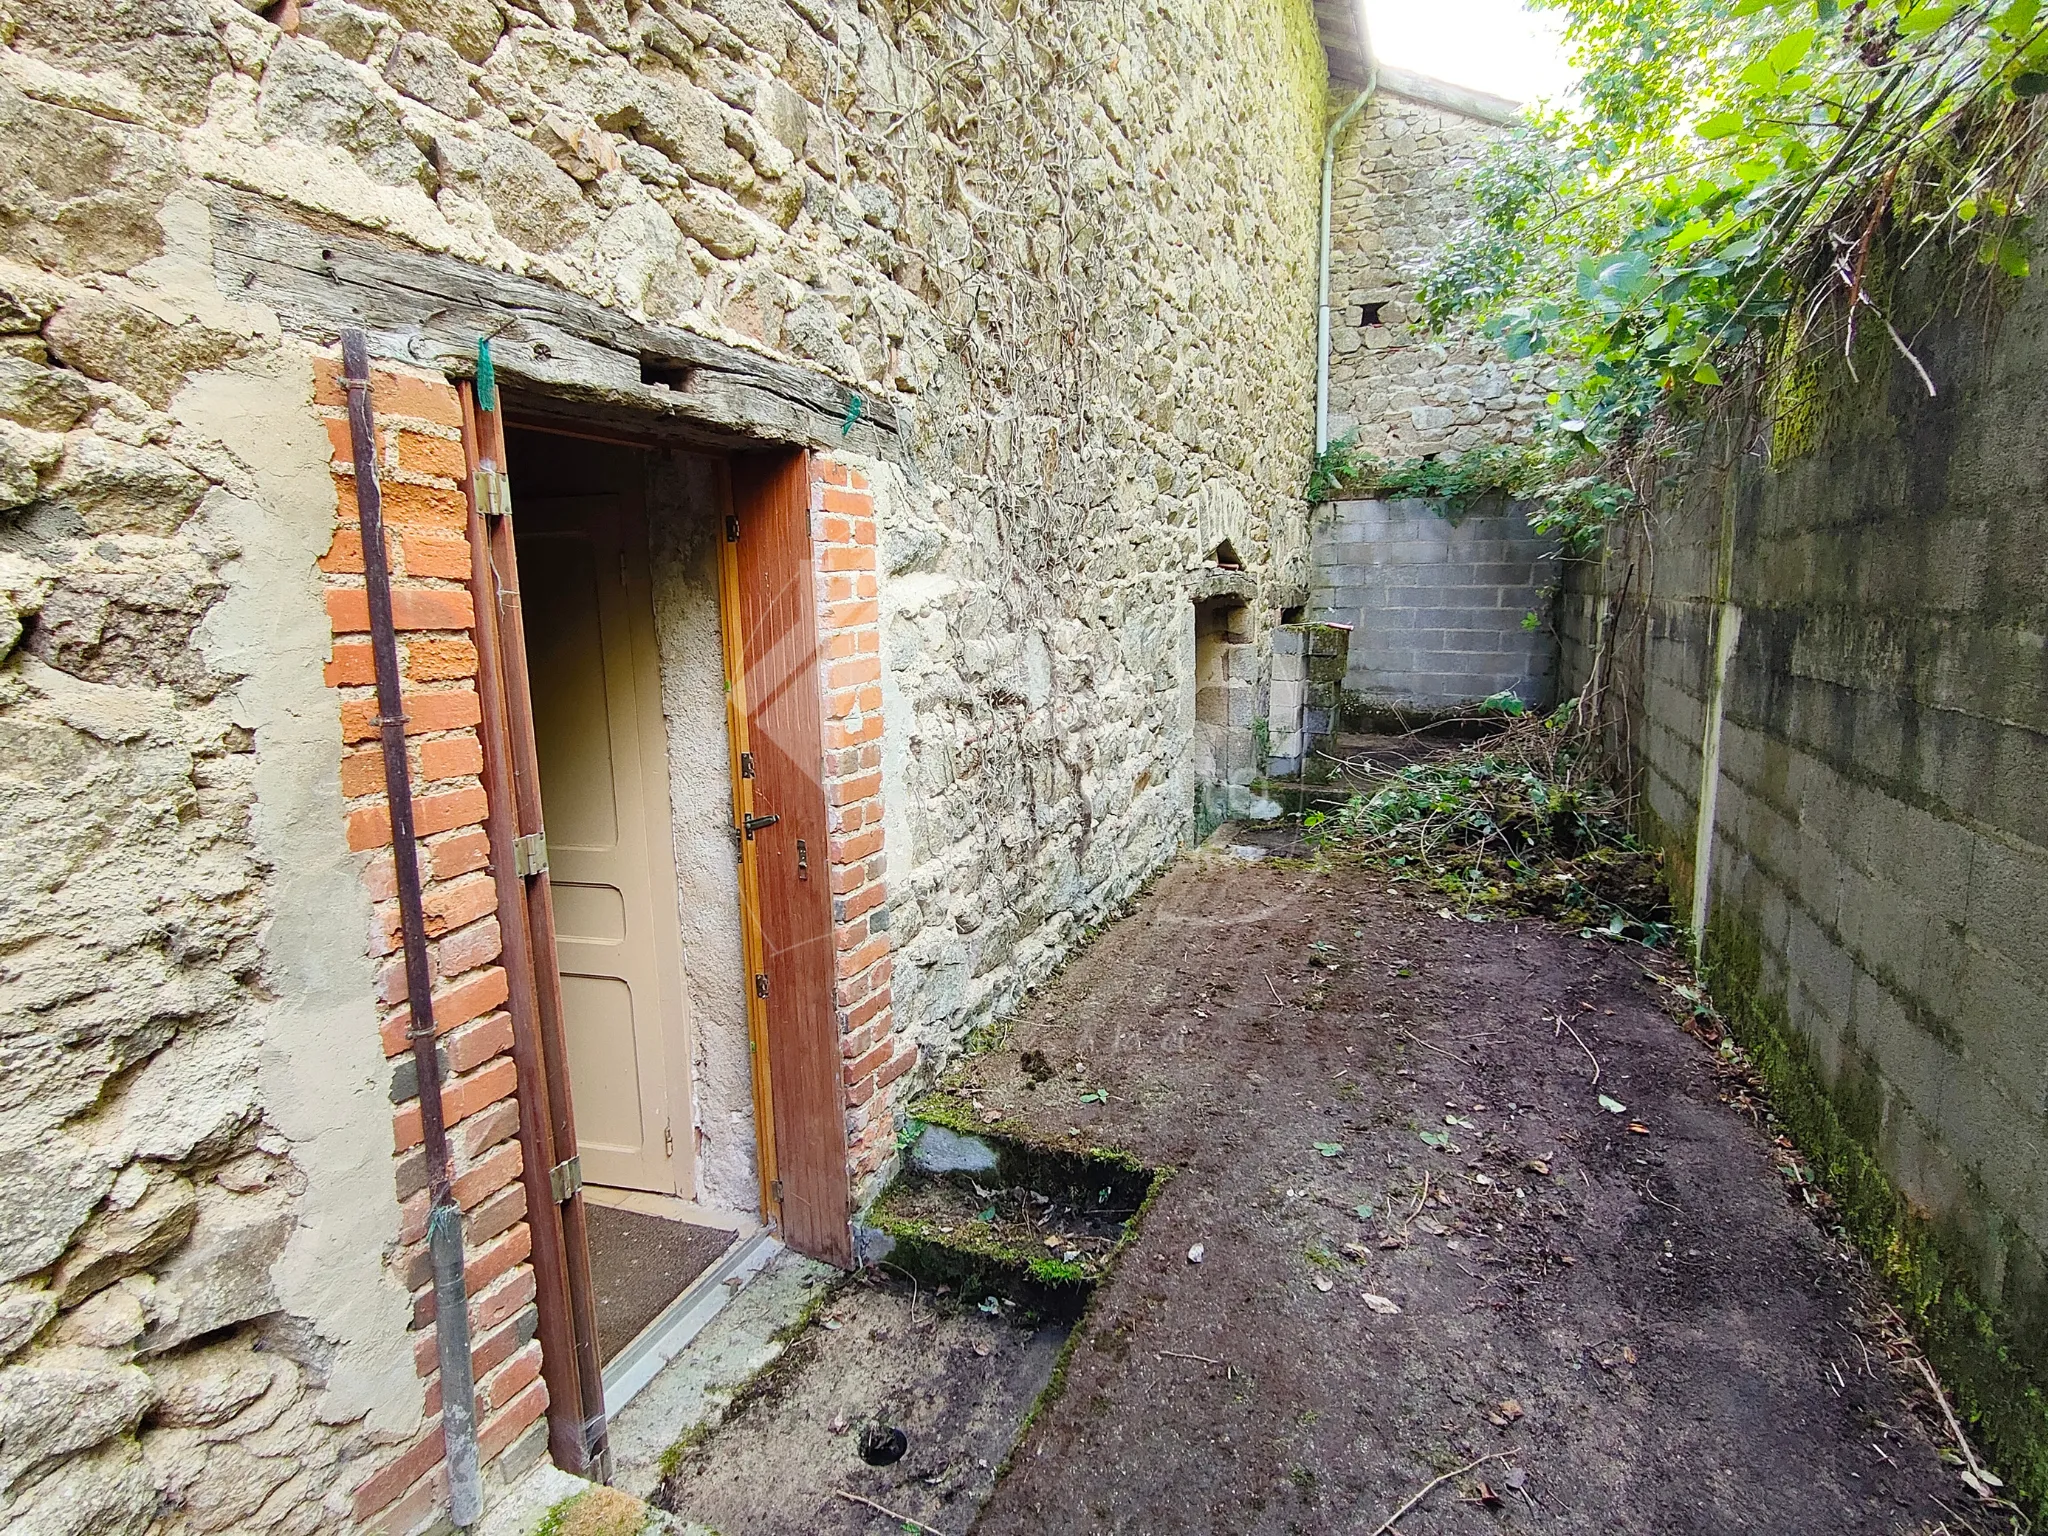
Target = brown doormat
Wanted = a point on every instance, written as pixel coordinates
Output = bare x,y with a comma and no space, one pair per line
639,1264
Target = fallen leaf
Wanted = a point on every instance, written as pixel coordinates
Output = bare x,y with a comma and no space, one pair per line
1365,1213
1537,1165
1382,1305
1613,1106
1431,1225
1329,1148
1055,1241
1396,1241
1637,1127
1510,1409
1195,1254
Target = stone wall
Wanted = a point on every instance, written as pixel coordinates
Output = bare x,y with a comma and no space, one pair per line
1444,611
1869,561
1073,246
1398,196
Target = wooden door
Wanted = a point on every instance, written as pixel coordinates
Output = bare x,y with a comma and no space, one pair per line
593,671
773,664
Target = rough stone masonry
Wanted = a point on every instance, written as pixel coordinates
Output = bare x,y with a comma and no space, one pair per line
1073,246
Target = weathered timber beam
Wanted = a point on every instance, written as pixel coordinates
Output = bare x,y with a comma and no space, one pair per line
427,309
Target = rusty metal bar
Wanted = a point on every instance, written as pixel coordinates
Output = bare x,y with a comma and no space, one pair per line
444,1221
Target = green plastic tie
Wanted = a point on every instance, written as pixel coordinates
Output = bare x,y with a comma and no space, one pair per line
854,406
486,376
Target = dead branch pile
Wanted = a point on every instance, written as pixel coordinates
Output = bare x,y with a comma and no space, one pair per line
1515,824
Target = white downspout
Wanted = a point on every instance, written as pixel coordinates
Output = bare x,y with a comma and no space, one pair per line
1372,81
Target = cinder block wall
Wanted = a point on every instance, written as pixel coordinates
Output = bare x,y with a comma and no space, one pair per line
1880,854
1436,606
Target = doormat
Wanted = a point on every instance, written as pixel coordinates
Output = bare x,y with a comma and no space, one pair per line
639,1264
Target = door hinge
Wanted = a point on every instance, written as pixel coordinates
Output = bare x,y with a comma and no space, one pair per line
668,1138
746,765
566,1178
760,984
493,491
732,530
530,854
775,1190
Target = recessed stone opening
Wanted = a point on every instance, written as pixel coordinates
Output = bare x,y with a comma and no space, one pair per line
1372,314
1226,746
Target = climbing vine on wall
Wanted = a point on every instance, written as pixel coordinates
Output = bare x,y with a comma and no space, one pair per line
1713,203
1570,496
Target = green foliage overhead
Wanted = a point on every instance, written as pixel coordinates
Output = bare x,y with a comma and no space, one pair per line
1715,195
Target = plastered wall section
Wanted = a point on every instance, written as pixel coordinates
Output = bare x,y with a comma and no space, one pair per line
685,522
1880,846
1403,388
1444,610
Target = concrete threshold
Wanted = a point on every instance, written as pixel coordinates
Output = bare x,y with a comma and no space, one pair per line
745,1328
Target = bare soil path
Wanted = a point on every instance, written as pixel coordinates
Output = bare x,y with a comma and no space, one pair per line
1371,1106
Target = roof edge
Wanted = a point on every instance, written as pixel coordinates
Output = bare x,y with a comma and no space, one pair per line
1479,105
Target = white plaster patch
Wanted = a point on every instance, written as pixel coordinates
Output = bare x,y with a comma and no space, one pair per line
323,1075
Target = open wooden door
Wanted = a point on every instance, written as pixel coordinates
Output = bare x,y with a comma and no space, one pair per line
773,666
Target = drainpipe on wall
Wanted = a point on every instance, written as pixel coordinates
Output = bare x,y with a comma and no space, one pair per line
444,1220
1372,82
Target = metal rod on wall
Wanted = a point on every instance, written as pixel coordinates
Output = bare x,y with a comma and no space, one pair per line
444,1220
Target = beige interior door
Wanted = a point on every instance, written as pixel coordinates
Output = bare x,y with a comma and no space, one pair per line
602,747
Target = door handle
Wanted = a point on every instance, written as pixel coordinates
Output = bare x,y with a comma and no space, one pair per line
754,824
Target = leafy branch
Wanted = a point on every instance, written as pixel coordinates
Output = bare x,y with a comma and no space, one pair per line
1712,201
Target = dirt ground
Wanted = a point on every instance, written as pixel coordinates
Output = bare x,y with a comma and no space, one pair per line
957,1383
1373,1107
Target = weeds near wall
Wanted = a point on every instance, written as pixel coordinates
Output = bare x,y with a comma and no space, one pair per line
1571,498
1515,825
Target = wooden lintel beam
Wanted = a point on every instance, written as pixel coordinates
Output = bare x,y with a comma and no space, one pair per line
428,309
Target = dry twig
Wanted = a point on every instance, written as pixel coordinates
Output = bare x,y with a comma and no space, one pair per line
1430,1487
854,1498
1567,1023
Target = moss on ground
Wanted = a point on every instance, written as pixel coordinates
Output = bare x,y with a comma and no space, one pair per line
948,1232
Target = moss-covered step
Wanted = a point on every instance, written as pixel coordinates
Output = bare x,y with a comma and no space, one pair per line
1006,1223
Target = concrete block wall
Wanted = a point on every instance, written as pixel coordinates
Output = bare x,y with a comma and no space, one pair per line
1879,859
1435,605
